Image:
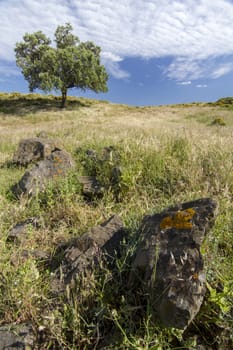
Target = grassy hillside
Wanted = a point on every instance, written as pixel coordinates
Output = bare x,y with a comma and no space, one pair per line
167,154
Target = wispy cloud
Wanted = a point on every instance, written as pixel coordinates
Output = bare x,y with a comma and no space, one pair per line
112,63
222,70
183,68
184,82
192,32
201,86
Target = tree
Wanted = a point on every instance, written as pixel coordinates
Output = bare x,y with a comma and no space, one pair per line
71,64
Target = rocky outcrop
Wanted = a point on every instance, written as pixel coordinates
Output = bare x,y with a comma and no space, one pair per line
168,264
16,337
57,164
34,150
167,268
85,253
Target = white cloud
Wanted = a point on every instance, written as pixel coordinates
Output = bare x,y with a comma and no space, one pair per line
222,70
184,83
193,32
111,62
114,68
184,68
201,86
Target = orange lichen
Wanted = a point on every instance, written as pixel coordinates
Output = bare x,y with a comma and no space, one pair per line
195,276
181,220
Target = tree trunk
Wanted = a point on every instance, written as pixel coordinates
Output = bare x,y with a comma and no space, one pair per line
63,97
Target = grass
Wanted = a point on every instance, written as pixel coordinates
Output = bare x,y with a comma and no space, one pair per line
166,154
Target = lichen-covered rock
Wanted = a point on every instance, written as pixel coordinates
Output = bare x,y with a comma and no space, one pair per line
34,180
34,149
168,264
16,337
86,252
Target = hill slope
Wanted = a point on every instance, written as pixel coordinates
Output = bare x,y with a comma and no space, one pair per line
167,154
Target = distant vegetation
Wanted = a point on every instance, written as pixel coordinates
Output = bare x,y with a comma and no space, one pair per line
166,154
225,102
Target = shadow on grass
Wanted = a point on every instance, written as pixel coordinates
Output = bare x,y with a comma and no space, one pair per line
21,105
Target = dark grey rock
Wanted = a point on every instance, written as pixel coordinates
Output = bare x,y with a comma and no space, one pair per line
20,257
34,149
16,337
36,254
86,252
91,186
168,264
34,180
18,233
91,154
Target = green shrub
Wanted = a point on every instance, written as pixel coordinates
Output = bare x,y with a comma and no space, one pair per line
218,121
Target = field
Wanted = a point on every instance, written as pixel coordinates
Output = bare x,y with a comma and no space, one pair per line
167,155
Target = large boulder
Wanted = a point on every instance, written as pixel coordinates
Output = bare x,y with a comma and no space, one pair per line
34,149
168,264
86,252
57,164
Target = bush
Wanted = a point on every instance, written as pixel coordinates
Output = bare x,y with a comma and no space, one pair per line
218,121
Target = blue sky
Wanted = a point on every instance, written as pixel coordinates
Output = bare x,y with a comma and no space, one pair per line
156,51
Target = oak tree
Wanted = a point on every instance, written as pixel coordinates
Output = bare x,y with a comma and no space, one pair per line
68,64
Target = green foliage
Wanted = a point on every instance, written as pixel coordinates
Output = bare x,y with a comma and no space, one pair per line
29,57
70,65
113,170
125,171
20,283
225,101
218,121
224,298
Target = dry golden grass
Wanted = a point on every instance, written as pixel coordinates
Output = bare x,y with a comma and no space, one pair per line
169,154
118,123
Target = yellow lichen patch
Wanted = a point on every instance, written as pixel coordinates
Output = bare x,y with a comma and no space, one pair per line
167,222
181,220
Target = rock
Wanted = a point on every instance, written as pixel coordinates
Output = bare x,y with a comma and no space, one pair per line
34,149
106,164
42,134
19,232
16,337
20,257
86,252
91,186
91,154
34,180
169,263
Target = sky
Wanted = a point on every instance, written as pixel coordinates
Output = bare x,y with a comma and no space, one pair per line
155,51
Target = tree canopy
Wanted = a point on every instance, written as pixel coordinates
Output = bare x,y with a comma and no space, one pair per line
70,64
